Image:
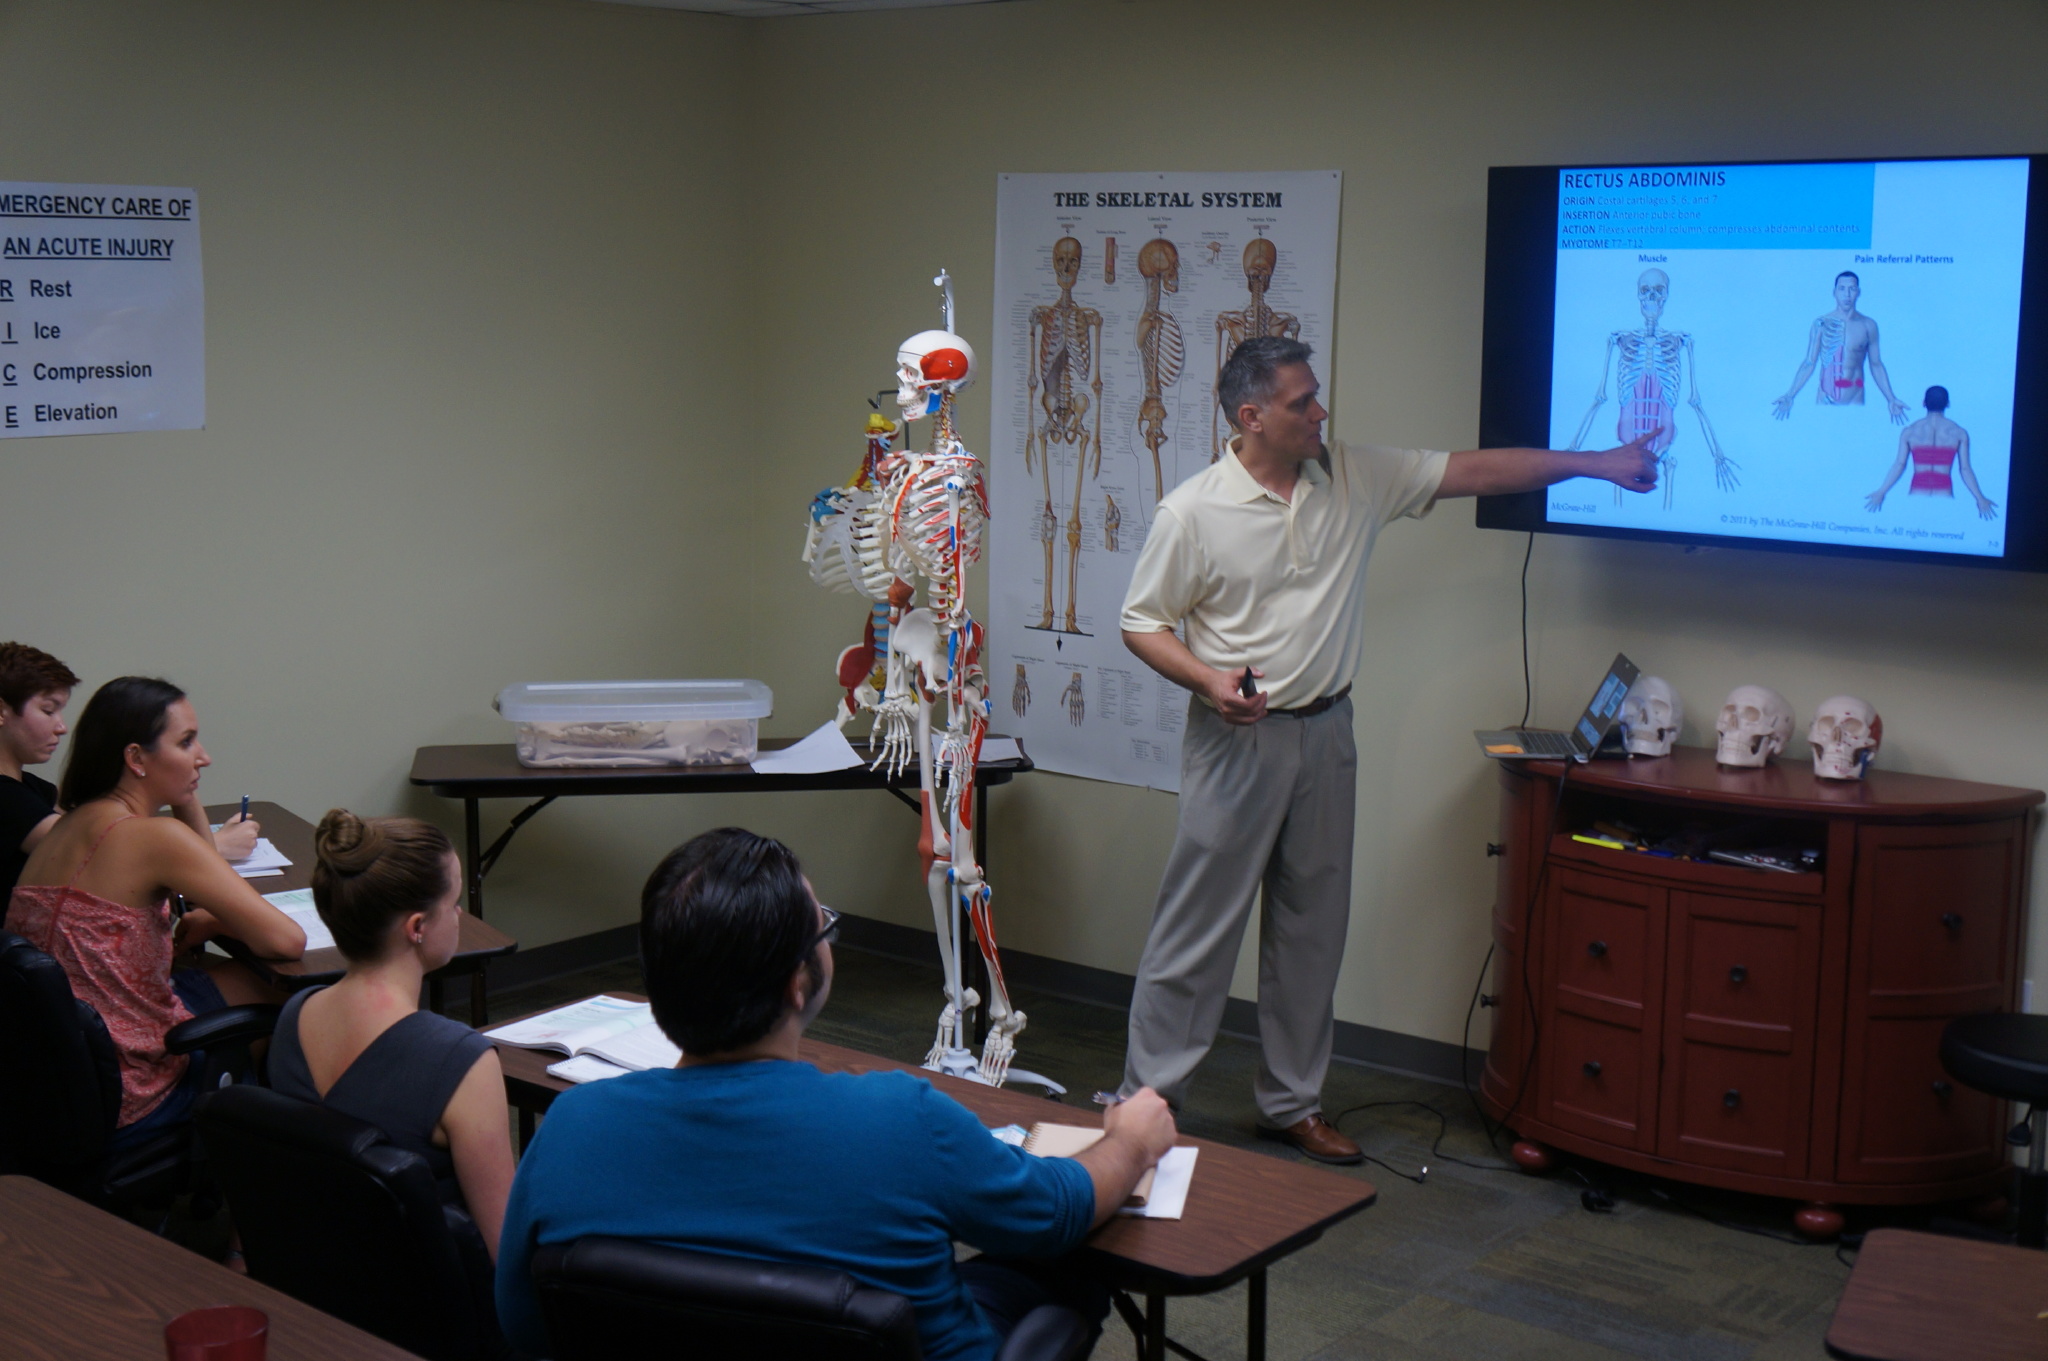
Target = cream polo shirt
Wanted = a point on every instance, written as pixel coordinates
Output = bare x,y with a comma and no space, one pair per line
1275,584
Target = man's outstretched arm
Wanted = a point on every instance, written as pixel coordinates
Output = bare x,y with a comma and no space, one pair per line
1502,472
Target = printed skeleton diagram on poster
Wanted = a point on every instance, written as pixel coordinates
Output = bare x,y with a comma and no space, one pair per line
916,516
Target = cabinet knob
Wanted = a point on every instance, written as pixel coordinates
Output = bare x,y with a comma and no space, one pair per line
1592,1067
1953,921
1597,948
1731,1098
1495,848
1738,974
1942,1088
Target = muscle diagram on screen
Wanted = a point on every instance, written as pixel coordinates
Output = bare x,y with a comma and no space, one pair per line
1939,451
1255,318
1160,348
1837,344
1065,385
1648,365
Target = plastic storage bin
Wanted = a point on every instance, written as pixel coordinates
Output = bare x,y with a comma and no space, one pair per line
638,723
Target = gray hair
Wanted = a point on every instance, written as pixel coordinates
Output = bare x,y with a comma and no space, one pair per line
1250,373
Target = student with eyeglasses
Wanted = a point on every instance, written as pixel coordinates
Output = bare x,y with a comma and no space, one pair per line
743,1149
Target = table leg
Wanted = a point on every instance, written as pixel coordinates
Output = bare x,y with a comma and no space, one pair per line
1255,1317
525,1127
472,858
435,996
1155,1329
479,1012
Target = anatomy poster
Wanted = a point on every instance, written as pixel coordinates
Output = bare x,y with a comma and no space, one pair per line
1117,299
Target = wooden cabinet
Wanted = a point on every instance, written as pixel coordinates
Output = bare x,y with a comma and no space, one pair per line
1768,1033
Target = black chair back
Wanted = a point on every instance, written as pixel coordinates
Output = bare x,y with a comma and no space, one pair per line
611,1298
60,1082
334,1214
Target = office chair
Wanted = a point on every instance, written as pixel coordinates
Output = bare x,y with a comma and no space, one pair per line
605,1298
60,1086
332,1213
2007,1055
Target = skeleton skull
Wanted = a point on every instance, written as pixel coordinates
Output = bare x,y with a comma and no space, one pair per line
1066,261
1845,735
1755,725
1259,259
930,365
1157,259
1652,288
1651,717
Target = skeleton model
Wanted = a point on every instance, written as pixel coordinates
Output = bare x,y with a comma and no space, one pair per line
1159,348
1066,345
1648,377
1020,694
920,519
1256,319
844,550
1112,521
1077,707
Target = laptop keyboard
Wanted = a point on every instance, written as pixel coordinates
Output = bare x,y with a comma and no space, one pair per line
1545,743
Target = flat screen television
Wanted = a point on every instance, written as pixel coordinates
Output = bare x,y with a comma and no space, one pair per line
1845,357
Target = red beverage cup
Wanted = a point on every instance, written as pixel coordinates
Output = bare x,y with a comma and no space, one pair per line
225,1332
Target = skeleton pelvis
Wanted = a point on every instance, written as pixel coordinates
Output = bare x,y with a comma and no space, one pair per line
1645,406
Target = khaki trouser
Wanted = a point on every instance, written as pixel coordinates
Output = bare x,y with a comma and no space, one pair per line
1271,804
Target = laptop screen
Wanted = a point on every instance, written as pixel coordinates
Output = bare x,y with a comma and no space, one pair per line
1605,706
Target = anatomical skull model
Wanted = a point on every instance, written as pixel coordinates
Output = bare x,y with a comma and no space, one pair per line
1846,734
1755,724
1651,717
915,517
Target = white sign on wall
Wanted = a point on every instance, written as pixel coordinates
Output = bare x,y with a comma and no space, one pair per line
102,310
1117,297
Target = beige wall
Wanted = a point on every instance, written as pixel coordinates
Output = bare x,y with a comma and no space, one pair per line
485,280
875,184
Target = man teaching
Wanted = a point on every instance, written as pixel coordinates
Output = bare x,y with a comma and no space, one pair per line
1262,557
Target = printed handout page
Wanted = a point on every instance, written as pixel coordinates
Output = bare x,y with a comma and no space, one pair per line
266,861
297,904
586,1068
825,749
1827,353
576,1027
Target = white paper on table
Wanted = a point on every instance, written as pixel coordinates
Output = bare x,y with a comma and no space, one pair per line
1169,1187
586,1068
639,1048
297,903
824,750
261,863
576,1026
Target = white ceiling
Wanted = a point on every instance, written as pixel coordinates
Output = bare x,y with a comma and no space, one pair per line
762,9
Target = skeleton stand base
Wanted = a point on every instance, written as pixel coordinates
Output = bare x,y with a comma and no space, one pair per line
962,1064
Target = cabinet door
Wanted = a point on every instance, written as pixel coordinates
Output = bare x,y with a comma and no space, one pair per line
1507,1078
1604,941
1739,1032
1934,935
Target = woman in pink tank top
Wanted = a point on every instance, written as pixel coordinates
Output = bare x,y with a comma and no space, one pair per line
1932,446
96,893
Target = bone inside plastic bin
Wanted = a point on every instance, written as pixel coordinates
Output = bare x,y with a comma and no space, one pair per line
637,723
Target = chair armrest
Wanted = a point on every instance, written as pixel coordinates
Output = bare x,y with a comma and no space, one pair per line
229,1025
1051,1332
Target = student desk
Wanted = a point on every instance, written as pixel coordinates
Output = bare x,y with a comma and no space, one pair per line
1245,1211
492,771
79,1284
476,944
1923,1297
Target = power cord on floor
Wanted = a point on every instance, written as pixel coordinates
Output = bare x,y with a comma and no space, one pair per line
1436,1152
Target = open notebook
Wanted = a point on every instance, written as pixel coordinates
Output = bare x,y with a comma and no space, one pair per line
1161,1193
619,1034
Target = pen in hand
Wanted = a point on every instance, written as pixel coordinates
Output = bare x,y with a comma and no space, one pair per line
245,807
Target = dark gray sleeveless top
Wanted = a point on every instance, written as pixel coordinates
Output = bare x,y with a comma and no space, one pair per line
400,1084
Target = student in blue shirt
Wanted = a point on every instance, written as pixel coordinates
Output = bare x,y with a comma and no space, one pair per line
745,1150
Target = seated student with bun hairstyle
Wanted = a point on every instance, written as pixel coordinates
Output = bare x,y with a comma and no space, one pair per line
96,894
34,688
390,890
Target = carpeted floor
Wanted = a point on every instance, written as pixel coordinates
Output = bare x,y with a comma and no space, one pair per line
1477,1262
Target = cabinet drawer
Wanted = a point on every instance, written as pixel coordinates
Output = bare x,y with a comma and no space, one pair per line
1907,1120
1742,973
1939,901
1738,1109
1596,1080
1601,936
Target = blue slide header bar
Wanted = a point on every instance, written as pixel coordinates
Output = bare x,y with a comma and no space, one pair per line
1732,207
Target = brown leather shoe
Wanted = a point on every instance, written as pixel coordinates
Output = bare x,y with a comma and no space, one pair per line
1316,1138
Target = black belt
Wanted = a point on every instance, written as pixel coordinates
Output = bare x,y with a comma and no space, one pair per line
1313,707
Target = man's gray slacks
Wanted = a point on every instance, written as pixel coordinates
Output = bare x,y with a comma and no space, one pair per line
1267,805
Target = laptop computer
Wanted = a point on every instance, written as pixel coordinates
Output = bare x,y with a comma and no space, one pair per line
1595,725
